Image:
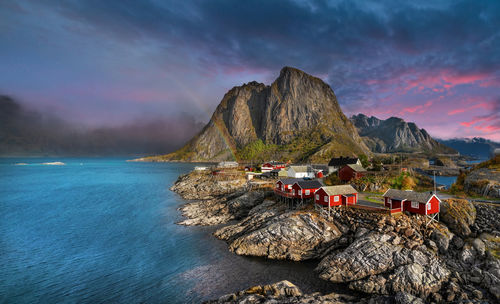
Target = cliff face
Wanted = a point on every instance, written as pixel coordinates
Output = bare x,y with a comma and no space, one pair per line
296,117
395,135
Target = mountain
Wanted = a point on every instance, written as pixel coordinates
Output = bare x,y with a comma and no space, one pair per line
395,135
477,147
297,118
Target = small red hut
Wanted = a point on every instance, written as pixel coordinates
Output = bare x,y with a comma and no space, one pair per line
336,196
425,203
305,188
350,172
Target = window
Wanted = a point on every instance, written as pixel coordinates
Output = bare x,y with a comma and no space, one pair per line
317,197
326,199
414,205
336,198
428,206
308,192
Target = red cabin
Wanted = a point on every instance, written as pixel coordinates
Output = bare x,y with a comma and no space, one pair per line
336,196
272,165
284,185
305,188
425,203
350,172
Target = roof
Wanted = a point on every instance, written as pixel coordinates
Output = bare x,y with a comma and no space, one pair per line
275,163
341,189
301,168
323,168
342,161
357,168
421,197
289,181
309,184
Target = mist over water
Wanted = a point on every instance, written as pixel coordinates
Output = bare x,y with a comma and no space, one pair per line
25,132
103,230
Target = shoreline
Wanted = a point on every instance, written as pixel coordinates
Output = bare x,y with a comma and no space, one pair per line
252,223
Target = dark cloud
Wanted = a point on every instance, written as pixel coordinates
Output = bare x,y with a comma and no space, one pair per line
373,53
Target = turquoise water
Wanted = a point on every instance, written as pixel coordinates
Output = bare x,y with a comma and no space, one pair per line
103,230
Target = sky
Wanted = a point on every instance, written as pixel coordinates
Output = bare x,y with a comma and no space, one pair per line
436,63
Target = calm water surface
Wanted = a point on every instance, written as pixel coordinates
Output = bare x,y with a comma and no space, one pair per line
103,230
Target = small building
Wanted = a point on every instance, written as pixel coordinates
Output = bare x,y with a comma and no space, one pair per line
424,203
336,196
301,172
272,165
305,188
283,173
337,163
200,168
285,184
350,172
228,164
275,172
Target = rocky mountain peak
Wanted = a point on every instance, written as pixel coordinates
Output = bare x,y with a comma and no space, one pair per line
395,135
296,107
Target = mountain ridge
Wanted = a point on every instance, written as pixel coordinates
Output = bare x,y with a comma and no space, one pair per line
394,134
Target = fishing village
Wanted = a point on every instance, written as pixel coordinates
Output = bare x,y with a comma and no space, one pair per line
389,234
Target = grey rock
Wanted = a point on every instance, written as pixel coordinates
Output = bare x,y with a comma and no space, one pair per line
292,235
442,239
479,246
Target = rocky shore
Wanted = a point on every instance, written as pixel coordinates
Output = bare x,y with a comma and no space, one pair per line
384,259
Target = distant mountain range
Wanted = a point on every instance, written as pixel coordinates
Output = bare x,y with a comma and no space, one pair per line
296,118
396,135
477,147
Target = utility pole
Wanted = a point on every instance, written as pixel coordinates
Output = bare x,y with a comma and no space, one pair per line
434,172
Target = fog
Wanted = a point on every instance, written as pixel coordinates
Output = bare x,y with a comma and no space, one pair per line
26,132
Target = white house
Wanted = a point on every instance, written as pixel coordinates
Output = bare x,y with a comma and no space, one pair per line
228,164
300,172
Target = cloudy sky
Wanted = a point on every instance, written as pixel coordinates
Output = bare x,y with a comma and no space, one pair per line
436,63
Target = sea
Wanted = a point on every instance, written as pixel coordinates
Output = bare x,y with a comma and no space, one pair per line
103,230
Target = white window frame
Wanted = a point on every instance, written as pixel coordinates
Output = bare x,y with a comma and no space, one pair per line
336,198
428,206
326,199
308,192
415,205
317,197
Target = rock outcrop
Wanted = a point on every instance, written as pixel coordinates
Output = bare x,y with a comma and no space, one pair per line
285,292
276,234
220,211
373,265
395,135
295,107
201,185
458,215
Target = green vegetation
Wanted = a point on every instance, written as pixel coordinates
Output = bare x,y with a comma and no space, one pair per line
255,150
332,180
364,160
492,164
404,181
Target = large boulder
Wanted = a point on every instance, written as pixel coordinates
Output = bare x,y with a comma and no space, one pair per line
459,215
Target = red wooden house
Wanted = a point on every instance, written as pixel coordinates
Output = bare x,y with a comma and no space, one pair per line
305,188
272,165
336,196
350,172
424,203
284,185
